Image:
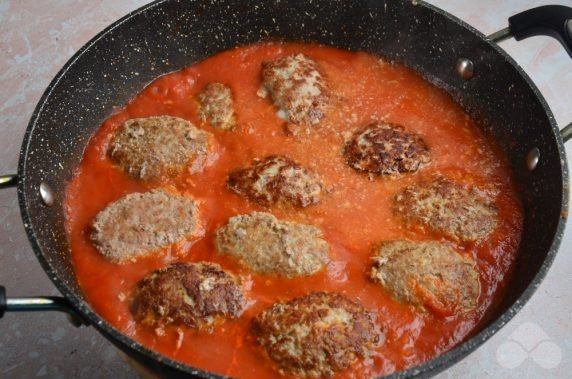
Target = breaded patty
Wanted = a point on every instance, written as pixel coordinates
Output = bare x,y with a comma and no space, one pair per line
140,224
277,179
428,275
267,245
216,106
449,208
297,88
191,294
385,149
153,147
316,335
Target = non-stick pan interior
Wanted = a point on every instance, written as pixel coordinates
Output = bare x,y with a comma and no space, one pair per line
169,35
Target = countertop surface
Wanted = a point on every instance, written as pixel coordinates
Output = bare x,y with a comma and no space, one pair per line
38,37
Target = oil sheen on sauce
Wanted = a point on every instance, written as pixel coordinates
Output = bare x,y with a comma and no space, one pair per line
354,212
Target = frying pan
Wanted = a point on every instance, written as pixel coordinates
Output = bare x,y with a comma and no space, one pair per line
168,35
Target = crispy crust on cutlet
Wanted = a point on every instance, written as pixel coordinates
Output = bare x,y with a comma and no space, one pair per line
267,245
154,147
447,207
297,88
316,335
197,295
386,149
140,224
428,275
277,179
216,106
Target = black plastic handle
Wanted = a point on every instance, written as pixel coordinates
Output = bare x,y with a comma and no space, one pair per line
31,304
3,302
549,20
567,133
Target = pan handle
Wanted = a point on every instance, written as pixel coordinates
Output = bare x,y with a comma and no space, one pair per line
31,304
567,132
7,181
548,20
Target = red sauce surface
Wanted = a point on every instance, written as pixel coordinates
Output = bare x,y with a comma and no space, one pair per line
354,213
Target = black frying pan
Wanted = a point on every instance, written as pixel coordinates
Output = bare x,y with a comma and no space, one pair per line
168,35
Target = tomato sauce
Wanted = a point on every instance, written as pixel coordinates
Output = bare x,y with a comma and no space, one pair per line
354,212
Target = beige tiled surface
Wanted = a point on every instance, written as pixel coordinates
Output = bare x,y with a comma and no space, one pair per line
37,37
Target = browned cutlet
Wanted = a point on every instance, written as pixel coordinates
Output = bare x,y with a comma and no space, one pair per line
447,207
428,275
163,146
216,106
297,87
316,335
386,149
197,295
277,179
267,245
140,224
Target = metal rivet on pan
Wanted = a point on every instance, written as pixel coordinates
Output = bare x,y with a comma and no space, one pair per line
47,194
532,158
465,68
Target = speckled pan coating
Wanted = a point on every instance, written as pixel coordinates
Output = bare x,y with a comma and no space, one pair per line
170,34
